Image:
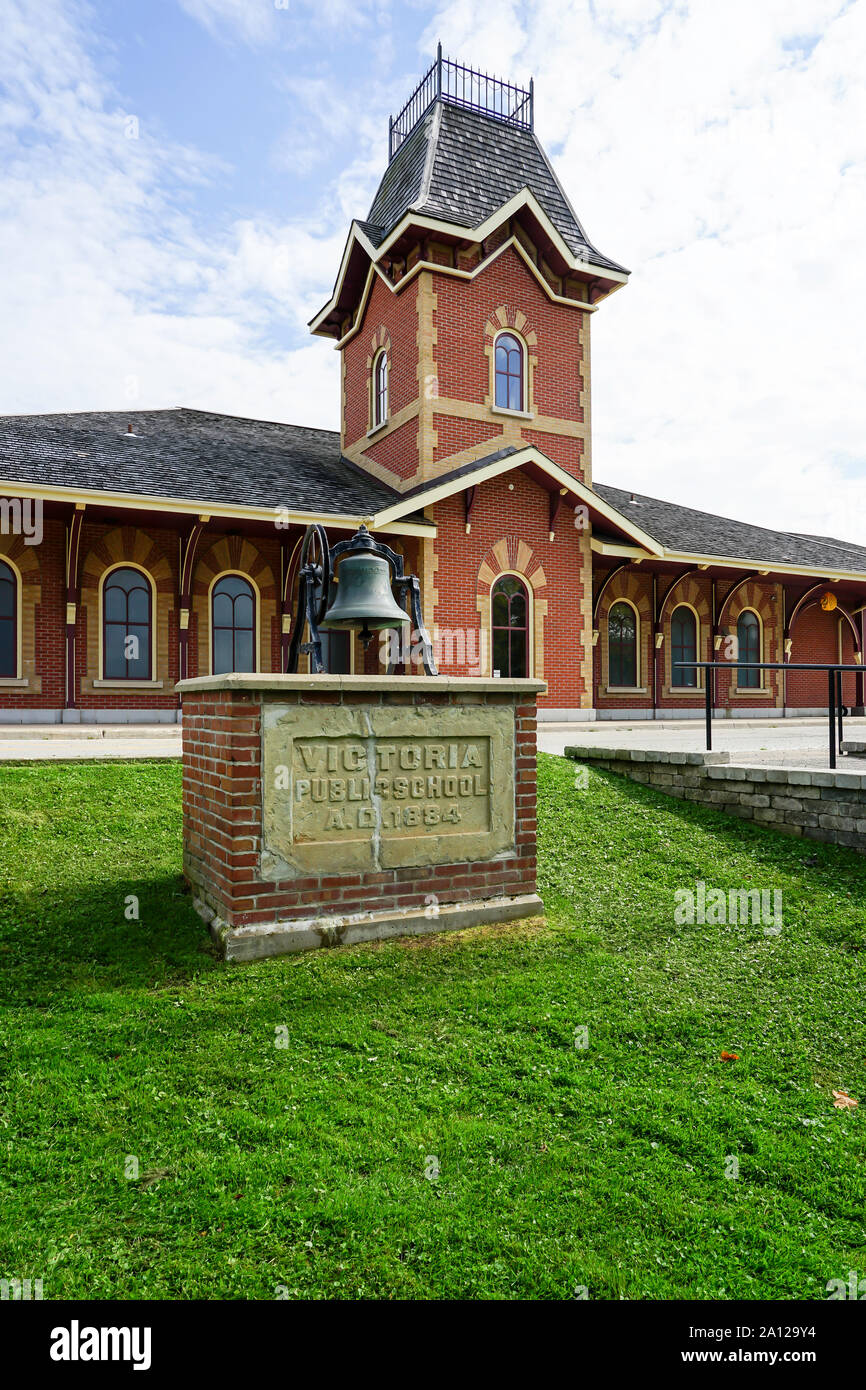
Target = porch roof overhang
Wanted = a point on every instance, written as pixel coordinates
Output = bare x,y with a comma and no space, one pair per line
171,509
532,461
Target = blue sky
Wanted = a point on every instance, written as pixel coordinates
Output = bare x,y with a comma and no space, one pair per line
277,110
718,150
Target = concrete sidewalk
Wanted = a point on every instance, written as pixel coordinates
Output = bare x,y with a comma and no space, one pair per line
788,742
793,742
86,742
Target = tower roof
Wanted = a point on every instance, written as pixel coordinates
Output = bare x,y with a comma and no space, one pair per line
463,160
461,165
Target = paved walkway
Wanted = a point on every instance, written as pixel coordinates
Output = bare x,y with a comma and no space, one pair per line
788,742
793,742
106,742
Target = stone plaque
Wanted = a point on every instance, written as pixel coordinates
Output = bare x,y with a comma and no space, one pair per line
370,787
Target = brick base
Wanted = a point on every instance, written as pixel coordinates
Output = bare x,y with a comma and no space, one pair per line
252,915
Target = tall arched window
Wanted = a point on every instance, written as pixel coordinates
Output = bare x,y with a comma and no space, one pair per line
684,646
510,614
8,620
508,367
380,388
127,625
233,625
622,645
748,649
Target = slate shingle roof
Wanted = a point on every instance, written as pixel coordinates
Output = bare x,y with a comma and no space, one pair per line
476,164
700,533
189,454
196,455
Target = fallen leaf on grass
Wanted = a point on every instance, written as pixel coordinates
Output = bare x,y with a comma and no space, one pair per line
842,1101
730,1056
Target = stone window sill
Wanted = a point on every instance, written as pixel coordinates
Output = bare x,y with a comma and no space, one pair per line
377,429
626,690
127,685
515,414
14,682
684,692
759,690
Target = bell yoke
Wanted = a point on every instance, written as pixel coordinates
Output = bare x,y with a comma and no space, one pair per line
369,572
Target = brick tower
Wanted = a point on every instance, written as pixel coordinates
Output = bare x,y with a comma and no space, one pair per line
470,256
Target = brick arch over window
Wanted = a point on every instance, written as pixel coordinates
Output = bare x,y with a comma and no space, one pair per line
687,592
127,545
759,598
633,588
236,555
22,561
511,555
508,319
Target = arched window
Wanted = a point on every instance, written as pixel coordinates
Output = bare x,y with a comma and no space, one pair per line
684,646
127,625
622,645
8,620
380,388
748,649
233,625
510,612
508,368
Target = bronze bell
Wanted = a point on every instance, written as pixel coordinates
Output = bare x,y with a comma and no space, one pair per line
365,600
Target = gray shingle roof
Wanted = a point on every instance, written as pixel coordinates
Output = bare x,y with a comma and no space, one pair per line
476,164
189,454
700,533
201,456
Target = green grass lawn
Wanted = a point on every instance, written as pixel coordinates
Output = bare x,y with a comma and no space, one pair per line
311,1166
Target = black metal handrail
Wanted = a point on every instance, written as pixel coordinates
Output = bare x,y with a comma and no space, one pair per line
834,671
466,87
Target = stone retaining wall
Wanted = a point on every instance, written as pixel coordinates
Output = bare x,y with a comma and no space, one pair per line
816,803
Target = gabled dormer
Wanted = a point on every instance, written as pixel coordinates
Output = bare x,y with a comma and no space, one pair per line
463,301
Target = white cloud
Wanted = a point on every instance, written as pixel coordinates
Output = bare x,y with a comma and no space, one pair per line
251,20
111,294
257,22
720,152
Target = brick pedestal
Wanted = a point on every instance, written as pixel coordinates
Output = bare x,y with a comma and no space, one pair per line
326,810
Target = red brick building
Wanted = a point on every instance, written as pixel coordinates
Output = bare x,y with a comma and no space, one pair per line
137,548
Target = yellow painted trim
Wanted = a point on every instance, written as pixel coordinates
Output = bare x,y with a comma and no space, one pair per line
436,492
397,286
19,620
623,551
241,574
186,506
154,604
727,562
525,198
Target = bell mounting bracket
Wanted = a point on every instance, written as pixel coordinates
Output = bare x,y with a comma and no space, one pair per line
318,562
